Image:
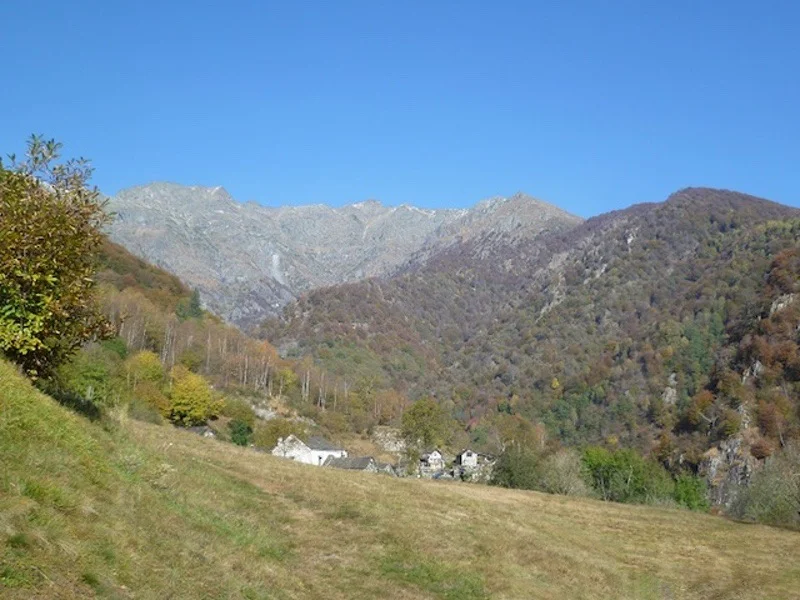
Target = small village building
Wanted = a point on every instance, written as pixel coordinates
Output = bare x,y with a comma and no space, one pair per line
387,469
313,452
353,463
467,459
432,459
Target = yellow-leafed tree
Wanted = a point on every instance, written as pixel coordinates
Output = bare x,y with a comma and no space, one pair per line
192,400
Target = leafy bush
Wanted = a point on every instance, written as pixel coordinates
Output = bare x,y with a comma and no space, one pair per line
192,401
92,374
517,467
144,366
773,496
116,345
151,395
50,227
692,492
266,436
427,423
563,473
238,409
624,476
241,432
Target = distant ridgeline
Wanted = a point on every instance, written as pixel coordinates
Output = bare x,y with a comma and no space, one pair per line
248,260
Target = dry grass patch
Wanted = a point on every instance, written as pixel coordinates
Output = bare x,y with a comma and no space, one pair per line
141,511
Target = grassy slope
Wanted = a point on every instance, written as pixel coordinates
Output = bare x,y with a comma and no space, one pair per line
141,511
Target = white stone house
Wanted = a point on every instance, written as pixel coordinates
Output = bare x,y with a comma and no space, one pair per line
313,452
467,459
432,460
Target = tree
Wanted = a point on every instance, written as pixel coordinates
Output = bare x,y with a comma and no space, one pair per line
192,401
427,423
563,473
50,227
518,467
190,308
144,366
267,435
773,496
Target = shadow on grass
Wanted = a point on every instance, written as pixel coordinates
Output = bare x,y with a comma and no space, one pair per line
72,401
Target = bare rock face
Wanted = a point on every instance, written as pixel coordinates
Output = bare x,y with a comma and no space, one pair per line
727,468
249,260
389,439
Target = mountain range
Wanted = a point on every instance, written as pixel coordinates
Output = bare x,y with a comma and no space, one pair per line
248,261
633,326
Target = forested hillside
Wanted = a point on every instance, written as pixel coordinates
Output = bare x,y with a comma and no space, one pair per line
167,359
639,327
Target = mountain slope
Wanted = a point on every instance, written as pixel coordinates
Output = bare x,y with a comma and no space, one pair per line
581,330
249,260
129,510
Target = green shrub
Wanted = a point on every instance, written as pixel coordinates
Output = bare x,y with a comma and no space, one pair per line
239,410
192,401
517,467
116,345
241,432
51,230
625,476
93,374
692,492
266,436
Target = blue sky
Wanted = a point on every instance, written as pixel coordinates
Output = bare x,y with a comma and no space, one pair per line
588,105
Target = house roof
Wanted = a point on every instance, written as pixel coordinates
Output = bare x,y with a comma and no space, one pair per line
427,454
354,463
320,443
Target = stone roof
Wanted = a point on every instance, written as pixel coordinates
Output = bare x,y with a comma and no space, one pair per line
386,468
427,454
320,443
353,463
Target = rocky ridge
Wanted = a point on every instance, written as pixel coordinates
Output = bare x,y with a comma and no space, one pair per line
249,260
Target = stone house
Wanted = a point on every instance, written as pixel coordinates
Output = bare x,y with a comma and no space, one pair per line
313,452
360,463
353,463
467,459
431,463
432,460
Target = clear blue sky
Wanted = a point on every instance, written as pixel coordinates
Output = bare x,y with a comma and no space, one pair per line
589,105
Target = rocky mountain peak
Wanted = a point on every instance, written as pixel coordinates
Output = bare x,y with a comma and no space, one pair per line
249,260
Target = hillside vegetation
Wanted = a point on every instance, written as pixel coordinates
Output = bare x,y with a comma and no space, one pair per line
637,328
122,509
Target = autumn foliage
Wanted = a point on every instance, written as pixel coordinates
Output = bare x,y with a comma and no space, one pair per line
50,231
